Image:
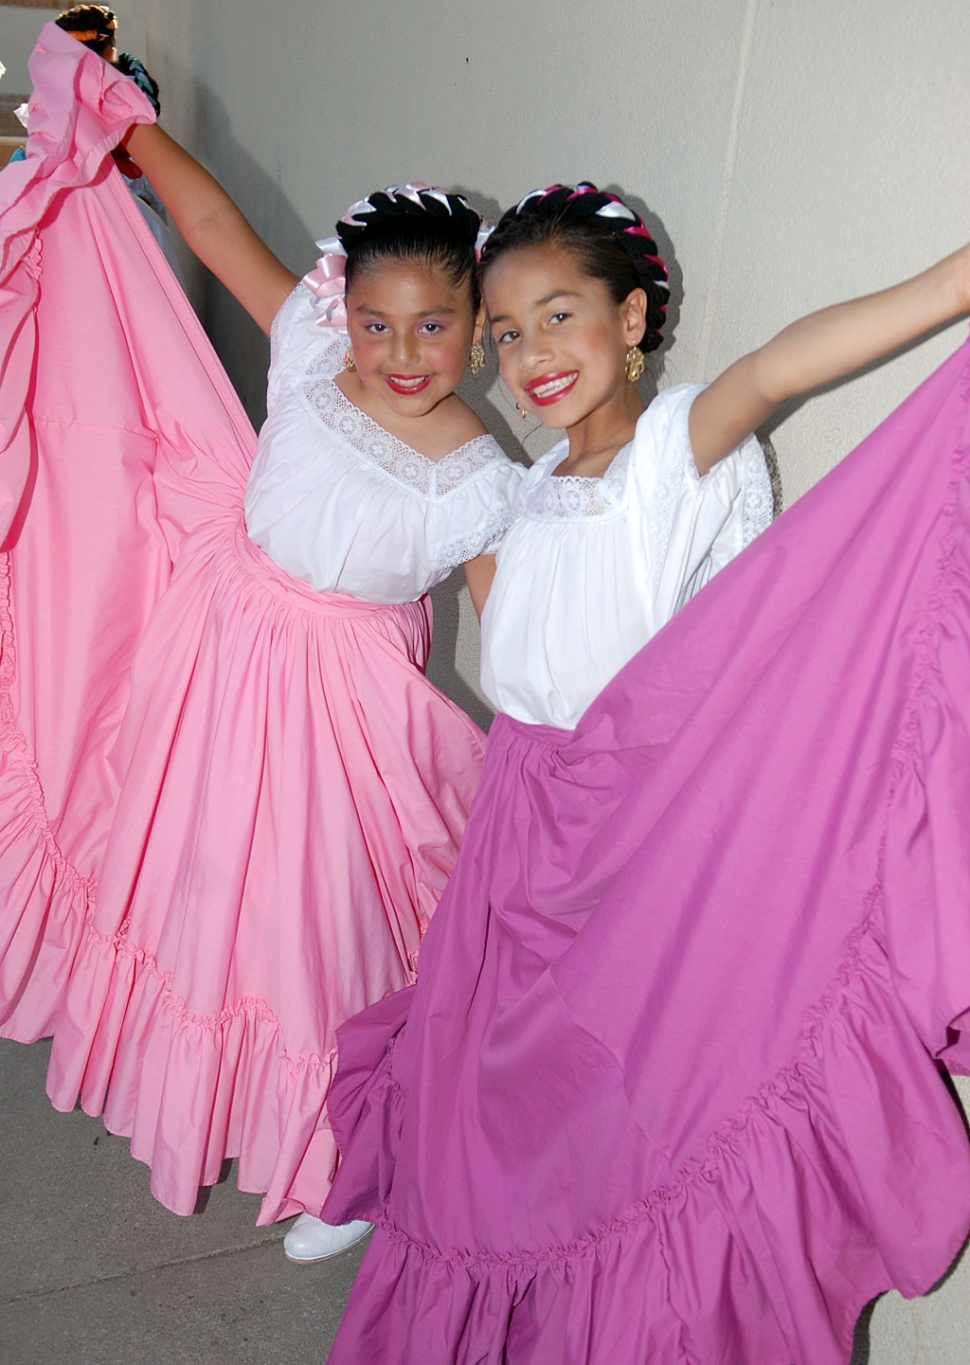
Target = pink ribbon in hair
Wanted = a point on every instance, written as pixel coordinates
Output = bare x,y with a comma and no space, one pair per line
328,284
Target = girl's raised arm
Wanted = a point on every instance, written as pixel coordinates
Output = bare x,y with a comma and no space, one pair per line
822,347
212,225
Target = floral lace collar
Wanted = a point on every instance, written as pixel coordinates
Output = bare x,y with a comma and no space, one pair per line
431,478
574,497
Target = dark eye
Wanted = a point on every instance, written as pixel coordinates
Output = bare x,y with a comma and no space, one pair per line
432,328
559,317
505,337
376,328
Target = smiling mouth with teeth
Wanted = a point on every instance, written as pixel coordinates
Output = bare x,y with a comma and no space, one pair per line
547,390
407,383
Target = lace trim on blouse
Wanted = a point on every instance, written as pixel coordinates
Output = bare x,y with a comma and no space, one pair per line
323,353
288,306
758,505
326,356
577,497
431,478
662,508
757,500
483,539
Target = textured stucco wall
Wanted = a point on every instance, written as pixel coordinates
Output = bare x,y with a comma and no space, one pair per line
790,152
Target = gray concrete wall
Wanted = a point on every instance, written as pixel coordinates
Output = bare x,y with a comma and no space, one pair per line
18,32
790,153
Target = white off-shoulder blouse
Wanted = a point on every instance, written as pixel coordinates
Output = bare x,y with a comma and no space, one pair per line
340,503
593,567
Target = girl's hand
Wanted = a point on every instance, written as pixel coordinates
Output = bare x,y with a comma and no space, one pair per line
211,224
821,347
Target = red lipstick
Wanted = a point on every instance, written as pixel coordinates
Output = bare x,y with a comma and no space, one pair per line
549,388
407,384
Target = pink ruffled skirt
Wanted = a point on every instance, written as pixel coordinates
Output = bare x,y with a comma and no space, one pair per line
228,804
293,791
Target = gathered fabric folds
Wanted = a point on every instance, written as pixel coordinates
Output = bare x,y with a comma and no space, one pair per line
100,482
228,803
669,1085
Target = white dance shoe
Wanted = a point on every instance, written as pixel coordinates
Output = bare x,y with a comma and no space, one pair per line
310,1239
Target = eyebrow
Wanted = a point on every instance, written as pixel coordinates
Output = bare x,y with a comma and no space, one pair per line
428,312
540,303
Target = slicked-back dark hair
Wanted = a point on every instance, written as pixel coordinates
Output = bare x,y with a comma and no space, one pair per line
418,226
608,240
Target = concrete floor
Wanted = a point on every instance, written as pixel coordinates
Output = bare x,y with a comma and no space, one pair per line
94,1272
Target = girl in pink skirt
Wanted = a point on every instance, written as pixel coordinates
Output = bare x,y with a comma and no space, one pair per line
277,793
668,1087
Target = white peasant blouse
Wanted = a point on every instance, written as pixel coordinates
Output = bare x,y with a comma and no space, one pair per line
593,567
340,503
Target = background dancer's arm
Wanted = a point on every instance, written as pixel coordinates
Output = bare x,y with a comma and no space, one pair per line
212,225
821,347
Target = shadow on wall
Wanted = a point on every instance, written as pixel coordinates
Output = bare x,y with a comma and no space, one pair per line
675,276
447,599
241,345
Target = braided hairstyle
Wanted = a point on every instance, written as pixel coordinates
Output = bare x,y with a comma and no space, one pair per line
415,224
92,25
134,68
608,239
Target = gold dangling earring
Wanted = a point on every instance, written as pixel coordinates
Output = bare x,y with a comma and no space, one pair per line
349,360
521,411
634,364
476,358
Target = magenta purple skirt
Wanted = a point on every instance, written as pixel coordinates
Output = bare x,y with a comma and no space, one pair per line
669,1085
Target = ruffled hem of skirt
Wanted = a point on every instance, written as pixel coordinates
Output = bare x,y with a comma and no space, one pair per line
192,1092
844,1176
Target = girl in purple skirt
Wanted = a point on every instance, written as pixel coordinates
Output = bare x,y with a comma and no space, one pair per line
668,1086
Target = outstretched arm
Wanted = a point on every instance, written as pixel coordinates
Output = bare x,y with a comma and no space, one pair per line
212,225
822,347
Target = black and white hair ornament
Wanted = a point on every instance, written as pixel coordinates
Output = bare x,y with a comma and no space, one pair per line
411,200
584,200
327,281
581,202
